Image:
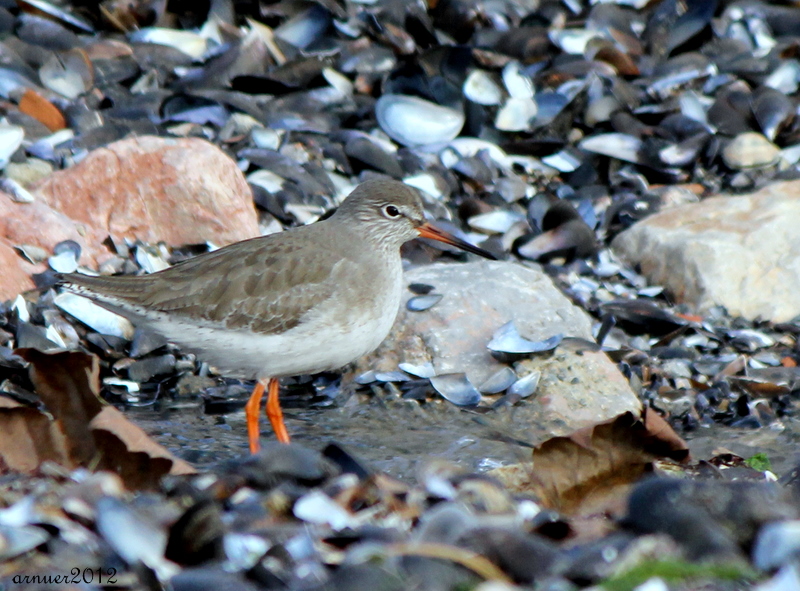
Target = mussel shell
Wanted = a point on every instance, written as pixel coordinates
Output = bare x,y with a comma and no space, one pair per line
20,539
499,381
11,137
423,302
426,370
526,385
506,339
456,388
482,88
641,316
616,145
94,316
413,121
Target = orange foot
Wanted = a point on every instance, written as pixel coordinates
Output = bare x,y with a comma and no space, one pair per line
274,413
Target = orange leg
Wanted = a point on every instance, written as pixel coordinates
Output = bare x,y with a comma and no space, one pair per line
274,412
251,412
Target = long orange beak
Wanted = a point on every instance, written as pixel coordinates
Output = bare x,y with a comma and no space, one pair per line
428,230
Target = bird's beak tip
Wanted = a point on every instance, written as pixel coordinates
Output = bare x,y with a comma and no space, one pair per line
430,231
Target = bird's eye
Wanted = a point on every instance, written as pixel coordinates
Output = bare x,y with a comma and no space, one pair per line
390,211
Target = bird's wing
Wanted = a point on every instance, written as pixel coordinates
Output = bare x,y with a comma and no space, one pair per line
255,284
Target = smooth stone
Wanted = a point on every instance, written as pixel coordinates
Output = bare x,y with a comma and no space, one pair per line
29,172
750,150
741,252
149,189
144,188
575,390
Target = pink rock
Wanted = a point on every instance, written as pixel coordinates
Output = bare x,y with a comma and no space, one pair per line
30,224
15,271
39,225
180,191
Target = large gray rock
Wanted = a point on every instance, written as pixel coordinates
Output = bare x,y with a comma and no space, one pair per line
576,388
742,252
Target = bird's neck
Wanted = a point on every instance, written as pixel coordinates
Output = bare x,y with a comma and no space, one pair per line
369,237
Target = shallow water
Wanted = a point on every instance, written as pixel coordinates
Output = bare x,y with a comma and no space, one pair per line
397,436
391,436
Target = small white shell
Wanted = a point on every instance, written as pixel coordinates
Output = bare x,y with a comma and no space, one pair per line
94,316
516,114
11,137
192,44
480,87
413,121
617,145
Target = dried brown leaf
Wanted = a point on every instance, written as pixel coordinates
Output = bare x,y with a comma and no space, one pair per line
29,437
130,452
69,385
80,429
590,470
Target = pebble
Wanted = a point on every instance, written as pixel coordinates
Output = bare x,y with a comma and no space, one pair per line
750,150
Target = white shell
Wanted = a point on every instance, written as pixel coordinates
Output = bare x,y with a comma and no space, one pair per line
63,262
21,307
266,138
498,221
413,121
427,182
244,550
785,77
518,84
516,115
67,74
425,370
317,507
17,192
572,41
694,107
526,385
149,262
617,145
480,87
134,538
192,44
94,316
498,381
12,83
338,81
267,180
456,388
11,137
469,146
563,161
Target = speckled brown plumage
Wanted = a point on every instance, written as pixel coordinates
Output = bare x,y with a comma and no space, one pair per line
267,284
